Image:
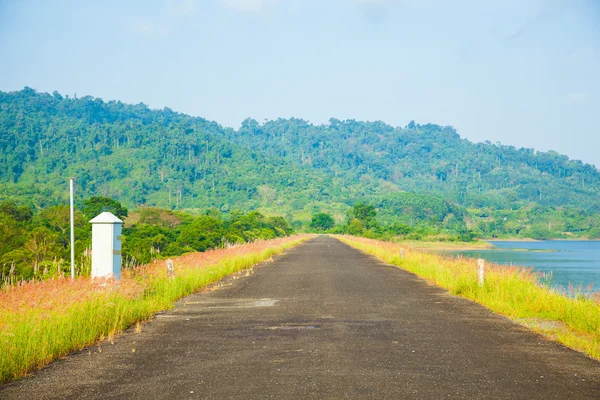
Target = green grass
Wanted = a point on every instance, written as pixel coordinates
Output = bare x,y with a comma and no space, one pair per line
514,292
47,320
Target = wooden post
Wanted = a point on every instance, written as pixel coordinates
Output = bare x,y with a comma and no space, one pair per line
170,269
481,271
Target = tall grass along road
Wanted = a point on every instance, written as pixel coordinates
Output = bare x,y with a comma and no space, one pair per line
323,321
41,321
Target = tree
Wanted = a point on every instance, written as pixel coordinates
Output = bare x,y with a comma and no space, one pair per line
96,204
321,221
282,227
204,233
355,227
364,213
41,243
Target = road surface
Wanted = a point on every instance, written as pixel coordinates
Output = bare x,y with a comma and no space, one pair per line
323,321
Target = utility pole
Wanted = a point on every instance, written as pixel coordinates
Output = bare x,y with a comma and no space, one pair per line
72,228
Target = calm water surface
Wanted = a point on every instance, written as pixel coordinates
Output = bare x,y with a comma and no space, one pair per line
576,262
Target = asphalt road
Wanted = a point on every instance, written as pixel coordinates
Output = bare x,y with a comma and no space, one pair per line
323,321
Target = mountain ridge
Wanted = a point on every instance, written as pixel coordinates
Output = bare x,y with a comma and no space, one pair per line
285,166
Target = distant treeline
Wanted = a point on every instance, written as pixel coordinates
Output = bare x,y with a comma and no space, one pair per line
36,245
35,242
415,216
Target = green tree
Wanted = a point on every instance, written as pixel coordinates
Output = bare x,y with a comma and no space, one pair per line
355,227
282,227
321,221
96,204
203,233
364,213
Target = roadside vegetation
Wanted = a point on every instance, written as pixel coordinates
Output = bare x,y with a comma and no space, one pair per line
572,319
43,321
363,219
35,242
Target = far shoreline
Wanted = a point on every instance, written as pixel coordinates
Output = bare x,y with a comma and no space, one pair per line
516,240
446,246
479,244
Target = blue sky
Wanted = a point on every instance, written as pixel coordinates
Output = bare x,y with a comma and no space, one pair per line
521,72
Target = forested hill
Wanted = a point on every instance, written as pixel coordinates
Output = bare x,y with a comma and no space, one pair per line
141,156
145,157
428,158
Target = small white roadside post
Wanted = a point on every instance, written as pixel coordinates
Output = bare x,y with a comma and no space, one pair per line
170,269
106,246
481,271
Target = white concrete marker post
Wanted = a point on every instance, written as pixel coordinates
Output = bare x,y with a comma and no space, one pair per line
106,246
481,271
170,269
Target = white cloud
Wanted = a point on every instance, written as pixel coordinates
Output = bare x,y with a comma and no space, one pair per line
373,1
142,27
529,20
175,12
580,56
252,6
391,2
181,8
578,98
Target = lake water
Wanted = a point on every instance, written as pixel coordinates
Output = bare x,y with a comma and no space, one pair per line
576,262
